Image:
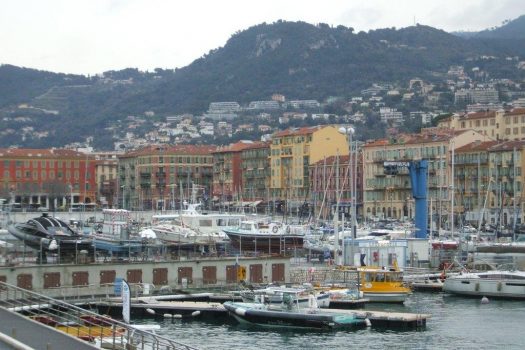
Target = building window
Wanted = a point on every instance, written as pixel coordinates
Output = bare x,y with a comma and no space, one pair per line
507,131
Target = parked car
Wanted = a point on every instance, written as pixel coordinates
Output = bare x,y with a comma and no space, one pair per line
42,209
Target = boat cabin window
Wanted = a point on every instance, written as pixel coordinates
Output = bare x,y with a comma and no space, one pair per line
383,277
493,276
246,226
222,222
205,223
234,222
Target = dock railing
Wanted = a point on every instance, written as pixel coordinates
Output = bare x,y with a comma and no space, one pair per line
102,331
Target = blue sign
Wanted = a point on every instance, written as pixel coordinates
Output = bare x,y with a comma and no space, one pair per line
118,286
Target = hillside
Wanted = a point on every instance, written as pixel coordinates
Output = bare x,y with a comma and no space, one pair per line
296,59
510,29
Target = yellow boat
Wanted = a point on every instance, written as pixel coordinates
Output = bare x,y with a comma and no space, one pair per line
383,285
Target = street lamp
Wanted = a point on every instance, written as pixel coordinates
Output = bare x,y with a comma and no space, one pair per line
349,131
123,197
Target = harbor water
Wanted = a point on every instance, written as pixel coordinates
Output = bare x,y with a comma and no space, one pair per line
456,323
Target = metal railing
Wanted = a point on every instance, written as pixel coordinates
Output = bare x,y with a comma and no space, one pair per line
102,331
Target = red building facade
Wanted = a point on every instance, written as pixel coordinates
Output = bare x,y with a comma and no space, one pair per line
49,178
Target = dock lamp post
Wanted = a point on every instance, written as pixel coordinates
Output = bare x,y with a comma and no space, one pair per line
349,131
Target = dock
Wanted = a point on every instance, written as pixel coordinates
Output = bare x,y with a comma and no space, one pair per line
199,309
427,286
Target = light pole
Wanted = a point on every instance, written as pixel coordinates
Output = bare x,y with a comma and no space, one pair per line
349,132
123,196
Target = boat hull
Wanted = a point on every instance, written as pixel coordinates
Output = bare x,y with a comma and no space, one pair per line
385,297
252,314
504,289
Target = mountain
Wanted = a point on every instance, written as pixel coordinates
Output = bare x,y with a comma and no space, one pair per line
296,59
511,29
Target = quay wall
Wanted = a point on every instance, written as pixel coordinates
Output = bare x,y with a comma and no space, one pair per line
78,280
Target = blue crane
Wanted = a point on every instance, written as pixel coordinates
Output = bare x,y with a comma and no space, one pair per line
418,181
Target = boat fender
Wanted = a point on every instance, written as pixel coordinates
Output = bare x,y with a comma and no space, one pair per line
368,323
177,316
168,315
275,229
477,287
240,312
195,313
287,229
499,286
150,311
484,300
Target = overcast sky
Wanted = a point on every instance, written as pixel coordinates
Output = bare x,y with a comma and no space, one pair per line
92,36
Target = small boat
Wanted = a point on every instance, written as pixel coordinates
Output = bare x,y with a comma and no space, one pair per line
291,315
383,285
115,235
495,283
49,234
274,295
266,237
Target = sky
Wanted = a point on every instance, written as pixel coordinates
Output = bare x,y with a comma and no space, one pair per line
93,36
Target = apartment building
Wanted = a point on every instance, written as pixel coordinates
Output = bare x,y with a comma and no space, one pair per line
330,180
506,180
390,196
51,178
498,125
159,177
293,151
227,172
255,164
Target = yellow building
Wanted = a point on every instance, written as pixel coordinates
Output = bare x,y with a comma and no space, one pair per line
390,196
292,151
498,125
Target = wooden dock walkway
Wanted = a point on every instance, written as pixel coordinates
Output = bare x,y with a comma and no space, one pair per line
198,309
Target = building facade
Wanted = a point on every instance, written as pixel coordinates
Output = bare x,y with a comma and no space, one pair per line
390,196
498,125
256,171
331,179
48,178
293,151
160,177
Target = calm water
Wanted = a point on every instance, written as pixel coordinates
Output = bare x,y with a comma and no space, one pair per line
456,323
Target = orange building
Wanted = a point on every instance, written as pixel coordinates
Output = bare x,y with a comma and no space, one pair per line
47,178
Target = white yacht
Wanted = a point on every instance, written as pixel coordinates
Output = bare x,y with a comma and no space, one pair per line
495,283
194,225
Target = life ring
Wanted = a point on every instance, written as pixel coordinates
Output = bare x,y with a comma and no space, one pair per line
275,229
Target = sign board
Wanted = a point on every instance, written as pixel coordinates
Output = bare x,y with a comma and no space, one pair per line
399,164
117,286
241,273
